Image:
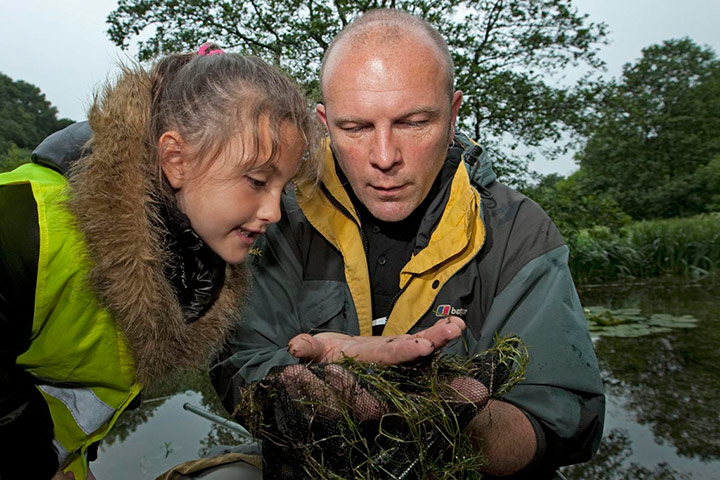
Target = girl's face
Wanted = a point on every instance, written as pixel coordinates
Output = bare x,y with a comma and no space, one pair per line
231,201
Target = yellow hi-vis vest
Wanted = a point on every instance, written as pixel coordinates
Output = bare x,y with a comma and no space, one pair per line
80,359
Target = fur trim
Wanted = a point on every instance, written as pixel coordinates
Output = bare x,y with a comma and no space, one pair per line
116,199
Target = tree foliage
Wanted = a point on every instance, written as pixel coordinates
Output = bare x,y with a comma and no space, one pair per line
504,50
14,157
26,117
572,208
657,131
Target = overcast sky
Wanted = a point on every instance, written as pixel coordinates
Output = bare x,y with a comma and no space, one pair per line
61,46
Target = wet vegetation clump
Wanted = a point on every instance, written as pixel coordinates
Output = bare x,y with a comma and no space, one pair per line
354,420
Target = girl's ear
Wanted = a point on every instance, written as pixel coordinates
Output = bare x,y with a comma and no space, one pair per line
172,160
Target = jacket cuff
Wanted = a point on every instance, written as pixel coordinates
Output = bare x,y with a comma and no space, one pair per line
26,430
541,466
541,440
27,440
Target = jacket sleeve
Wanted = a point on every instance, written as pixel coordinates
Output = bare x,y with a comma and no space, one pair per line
26,428
535,298
60,150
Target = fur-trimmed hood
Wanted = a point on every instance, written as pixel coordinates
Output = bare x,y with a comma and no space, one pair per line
117,203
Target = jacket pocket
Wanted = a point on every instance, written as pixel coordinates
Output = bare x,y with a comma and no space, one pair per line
325,307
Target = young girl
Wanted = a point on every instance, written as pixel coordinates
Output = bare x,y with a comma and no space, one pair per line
123,267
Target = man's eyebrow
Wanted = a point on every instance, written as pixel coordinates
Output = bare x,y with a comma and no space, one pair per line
339,120
430,111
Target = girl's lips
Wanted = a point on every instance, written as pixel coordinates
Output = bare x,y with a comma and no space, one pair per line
246,236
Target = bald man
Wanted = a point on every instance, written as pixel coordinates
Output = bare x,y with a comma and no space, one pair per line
397,236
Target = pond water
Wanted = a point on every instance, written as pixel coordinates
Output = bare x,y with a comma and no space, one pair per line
662,418
662,413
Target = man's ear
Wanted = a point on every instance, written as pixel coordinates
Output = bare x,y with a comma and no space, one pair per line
454,109
322,115
172,160
455,105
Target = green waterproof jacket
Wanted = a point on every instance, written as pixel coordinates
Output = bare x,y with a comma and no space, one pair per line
484,253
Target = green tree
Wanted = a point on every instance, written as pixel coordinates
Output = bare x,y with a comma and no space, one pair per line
572,208
656,131
14,157
504,51
26,117
708,176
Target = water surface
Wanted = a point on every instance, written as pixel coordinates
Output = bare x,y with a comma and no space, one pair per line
662,414
662,389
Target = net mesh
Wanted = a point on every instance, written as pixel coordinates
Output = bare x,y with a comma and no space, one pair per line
357,420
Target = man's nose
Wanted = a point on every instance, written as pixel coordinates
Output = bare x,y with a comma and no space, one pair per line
385,152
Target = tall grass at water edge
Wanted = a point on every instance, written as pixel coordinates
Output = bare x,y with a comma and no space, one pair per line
681,247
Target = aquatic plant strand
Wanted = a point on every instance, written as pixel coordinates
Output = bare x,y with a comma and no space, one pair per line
368,421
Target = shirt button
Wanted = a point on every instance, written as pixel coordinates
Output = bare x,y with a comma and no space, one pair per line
381,260
376,229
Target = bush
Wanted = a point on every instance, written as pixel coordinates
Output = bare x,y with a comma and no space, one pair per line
13,157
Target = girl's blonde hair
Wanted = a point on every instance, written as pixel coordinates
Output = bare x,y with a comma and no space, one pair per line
208,99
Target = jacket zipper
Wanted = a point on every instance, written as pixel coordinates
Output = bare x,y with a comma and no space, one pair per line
397,295
340,208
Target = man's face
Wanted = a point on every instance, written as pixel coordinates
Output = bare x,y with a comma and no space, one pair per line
390,121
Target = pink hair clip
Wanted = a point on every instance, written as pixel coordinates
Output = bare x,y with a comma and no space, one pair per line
203,50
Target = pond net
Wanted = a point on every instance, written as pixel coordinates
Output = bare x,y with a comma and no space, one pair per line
357,420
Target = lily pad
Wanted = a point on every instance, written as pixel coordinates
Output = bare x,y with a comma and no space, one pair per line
665,320
630,322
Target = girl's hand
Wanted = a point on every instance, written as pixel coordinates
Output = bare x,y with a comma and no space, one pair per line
60,475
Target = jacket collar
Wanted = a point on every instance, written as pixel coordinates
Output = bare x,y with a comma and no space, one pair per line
457,237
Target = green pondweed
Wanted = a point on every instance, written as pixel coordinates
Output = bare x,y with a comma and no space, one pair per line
369,421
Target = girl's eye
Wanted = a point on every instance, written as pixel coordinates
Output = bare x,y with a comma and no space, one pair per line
256,183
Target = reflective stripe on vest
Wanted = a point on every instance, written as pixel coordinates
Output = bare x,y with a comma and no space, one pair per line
90,413
63,453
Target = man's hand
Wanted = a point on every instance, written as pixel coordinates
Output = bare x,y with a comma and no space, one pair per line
330,347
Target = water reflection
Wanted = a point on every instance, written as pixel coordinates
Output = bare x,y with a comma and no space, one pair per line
662,401
160,434
614,462
662,389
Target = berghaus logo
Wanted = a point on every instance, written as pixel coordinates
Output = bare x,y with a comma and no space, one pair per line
445,310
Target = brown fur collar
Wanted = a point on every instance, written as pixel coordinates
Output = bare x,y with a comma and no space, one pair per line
115,199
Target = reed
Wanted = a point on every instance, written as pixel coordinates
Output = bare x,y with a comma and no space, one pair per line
687,247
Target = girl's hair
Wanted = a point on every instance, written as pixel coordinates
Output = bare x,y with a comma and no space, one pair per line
208,99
